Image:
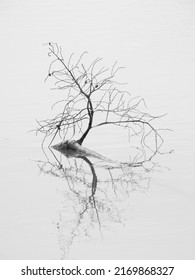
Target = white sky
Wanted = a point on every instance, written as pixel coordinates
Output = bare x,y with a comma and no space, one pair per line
153,39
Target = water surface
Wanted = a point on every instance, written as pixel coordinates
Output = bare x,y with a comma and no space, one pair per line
43,212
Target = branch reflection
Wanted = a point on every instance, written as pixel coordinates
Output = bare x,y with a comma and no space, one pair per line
95,195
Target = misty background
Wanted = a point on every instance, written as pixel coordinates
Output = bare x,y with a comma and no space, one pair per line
155,42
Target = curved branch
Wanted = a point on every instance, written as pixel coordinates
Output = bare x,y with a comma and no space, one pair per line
93,99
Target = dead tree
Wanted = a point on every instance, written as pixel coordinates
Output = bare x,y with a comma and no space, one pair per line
91,99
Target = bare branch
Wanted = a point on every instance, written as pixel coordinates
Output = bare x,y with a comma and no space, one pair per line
94,99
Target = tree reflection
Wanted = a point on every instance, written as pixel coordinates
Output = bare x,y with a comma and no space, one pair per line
95,195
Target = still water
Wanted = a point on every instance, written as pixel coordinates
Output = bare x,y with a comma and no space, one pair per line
54,207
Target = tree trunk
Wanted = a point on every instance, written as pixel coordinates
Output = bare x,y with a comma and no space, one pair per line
90,113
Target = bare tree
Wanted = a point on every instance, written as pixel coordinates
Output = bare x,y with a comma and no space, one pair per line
92,99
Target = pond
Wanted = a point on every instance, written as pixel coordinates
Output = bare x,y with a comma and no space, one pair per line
58,207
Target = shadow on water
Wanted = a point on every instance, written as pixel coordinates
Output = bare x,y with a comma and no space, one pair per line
95,194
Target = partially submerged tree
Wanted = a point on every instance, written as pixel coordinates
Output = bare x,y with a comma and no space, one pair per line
92,99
